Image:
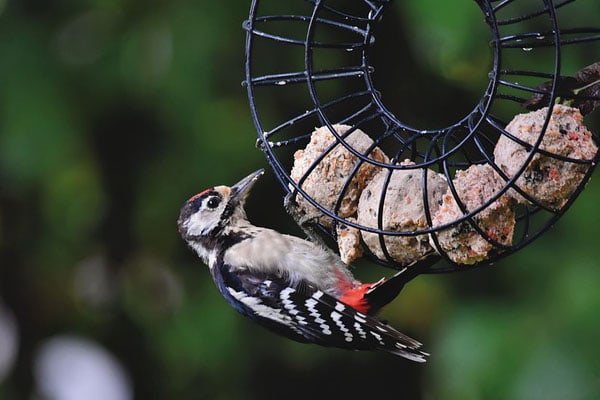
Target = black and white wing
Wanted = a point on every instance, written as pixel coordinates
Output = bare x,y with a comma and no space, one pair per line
308,315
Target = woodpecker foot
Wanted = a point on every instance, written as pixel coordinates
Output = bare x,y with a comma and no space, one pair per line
301,218
306,221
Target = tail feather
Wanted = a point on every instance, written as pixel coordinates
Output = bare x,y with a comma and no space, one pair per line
369,298
386,290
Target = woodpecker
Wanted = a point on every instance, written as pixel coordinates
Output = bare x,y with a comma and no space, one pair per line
292,286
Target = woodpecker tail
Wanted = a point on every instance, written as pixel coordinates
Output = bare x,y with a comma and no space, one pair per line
369,298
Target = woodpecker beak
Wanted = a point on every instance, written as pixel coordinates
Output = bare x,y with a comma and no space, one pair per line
240,190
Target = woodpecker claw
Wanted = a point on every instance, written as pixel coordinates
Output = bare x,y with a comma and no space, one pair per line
305,221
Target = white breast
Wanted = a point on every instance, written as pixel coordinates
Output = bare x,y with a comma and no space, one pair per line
284,255
208,256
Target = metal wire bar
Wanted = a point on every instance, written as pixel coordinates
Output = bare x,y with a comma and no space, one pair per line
301,77
468,141
525,17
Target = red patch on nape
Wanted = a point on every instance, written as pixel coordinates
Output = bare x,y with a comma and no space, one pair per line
355,298
202,193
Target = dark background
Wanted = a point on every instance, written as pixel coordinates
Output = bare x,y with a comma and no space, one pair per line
113,113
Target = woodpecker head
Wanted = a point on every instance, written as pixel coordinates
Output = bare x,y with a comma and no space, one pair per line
209,212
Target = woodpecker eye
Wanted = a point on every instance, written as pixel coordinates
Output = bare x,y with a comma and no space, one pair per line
213,202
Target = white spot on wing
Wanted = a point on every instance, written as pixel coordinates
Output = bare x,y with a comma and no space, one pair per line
360,330
310,305
378,337
255,304
290,306
337,318
285,298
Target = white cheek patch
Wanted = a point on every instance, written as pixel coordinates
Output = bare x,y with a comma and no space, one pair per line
202,222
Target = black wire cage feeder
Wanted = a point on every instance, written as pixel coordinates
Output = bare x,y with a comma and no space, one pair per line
471,192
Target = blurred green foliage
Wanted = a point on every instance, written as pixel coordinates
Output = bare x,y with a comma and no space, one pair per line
112,113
